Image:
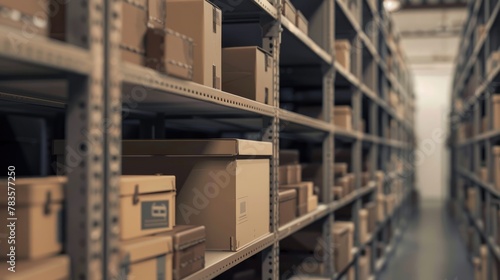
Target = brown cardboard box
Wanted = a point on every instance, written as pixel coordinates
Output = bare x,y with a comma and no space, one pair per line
189,249
206,32
476,262
288,157
338,193
287,206
54,268
312,203
283,175
471,200
147,257
135,19
496,166
27,15
371,207
294,174
303,190
248,72
39,228
169,52
363,225
364,268
215,178
493,62
343,242
147,205
340,169
381,214
483,252
302,22
343,117
344,184
289,11
483,174
343,53
379,175
365,179
495,100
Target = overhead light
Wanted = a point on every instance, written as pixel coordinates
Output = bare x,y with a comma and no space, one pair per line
392,5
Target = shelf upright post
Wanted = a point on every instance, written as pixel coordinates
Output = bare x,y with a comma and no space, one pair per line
85,135
476,154
271,126
112,138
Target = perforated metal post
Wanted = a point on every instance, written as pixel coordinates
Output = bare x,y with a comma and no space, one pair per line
85,135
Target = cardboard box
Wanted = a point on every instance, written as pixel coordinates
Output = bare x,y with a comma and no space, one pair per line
54,268
294,174
304,190
343,242
169,52
343,117
493,62
248,72
189,250
147,257
287,206
338,193
344,184
379,175
29,16
312,203
283,175
471,200
206,32
302,22
371,207
39,209
340,169
476,262
288,157
215,178
496,166
135,19
147,205
381,214
363,225
483,253
364,268
495,99
483,174
343,53
289,11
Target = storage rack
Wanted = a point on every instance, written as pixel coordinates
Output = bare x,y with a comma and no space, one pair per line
86,79
471,101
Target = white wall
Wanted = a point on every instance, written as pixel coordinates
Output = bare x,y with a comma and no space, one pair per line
432,86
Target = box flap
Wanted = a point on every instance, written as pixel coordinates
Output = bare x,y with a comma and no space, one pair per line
36,191
146,248
211,147
185,236
132,184
50,268
285,195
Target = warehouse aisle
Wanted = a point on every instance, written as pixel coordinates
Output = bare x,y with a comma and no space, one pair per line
431,249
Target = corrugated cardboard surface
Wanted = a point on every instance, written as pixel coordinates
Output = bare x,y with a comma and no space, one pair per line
248,72
289,11
40,225
303,190
294,174
135,18
287,206
170,52
28,9
206,32
302,22
148,257
55,268
342,244
189,246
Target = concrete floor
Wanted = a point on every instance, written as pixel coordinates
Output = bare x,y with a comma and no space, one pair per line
430,249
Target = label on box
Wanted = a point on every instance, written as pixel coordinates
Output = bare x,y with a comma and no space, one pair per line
154,214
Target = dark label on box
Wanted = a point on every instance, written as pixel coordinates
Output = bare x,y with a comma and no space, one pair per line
154,214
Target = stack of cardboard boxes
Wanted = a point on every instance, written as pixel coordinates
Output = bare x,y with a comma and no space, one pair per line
343,53
290,178
295,16
342,117
493,62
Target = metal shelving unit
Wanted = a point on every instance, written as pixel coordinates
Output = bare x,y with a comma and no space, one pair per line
84,80
472,153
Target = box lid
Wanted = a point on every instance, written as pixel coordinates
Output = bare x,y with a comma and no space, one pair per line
213,147
36,191
185,236
342,110
143,184
146,248
285,195
50,268
205,147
